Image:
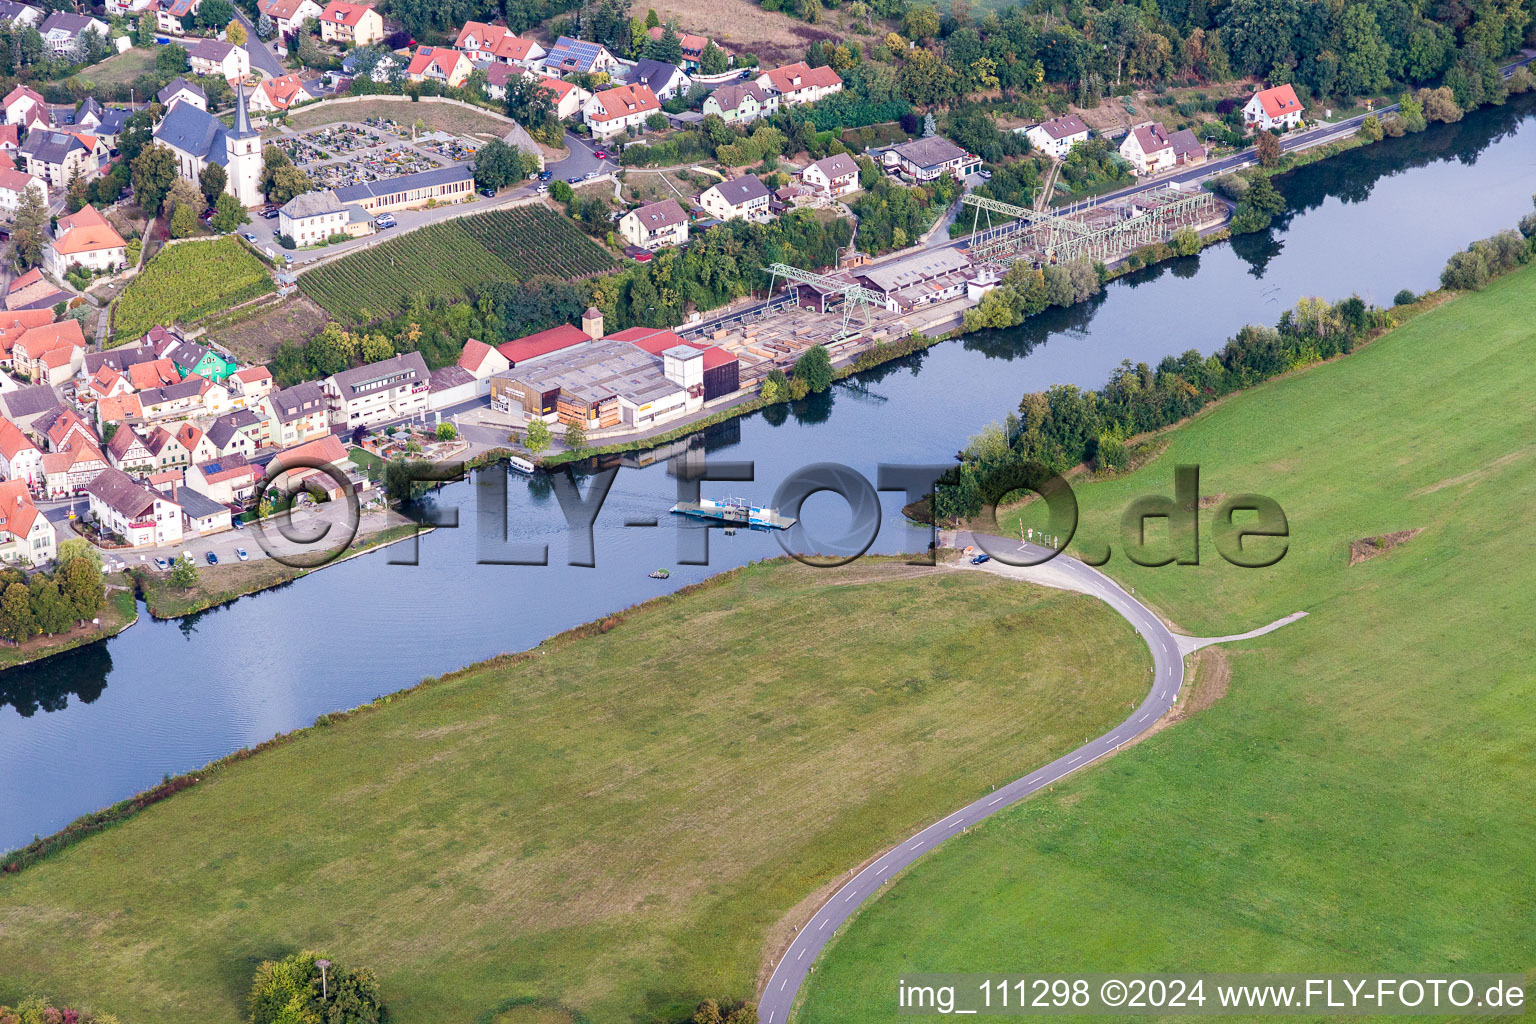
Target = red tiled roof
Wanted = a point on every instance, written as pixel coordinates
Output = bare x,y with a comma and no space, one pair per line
784,78
12,440
86,231
542,343
338,13
1279,101
625,100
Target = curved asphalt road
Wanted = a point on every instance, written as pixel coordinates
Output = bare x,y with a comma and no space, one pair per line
1167,676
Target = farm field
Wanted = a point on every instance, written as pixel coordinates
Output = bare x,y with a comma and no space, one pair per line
1360,800
745,27
448,258
255,339
186,282
617,824
440,117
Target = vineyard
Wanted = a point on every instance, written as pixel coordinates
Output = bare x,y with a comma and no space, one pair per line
448,259
187,282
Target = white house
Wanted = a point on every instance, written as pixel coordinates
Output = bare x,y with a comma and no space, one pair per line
569,55
14,183
346,23
1273,108
26,535
482,362
1057,136
20,102
745,197
61,32
20,459
393,389
87,239
655,225
140,516
1151,148
279,93
441,64
179,90
313,217
498,45
616,110
20,15
929,159
569,99
740,102
288,16
663,79
832,176
211,57
800,83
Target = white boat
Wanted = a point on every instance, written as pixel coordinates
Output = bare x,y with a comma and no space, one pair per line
522,465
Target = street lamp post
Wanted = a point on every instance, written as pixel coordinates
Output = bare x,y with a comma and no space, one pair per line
325,993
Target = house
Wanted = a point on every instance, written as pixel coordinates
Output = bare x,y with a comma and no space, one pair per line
569,99
745,197
170,15
110,127
576,55
63,428
615,110
61,32
351,23
1269,109
235,433
10,141
200,514
294,414
127,451
127,8
174,400
19,15
196,443
693,47
799,83
68,471
26,535
663,79
87,239
409,191
448,386
482,362
182,91
392,389
188,357
153,373
25,406
57,157
15,323
167,450
276,94
441,64
383,65
288,16
309,462
197,139
104,383
229,479
313,217
140,516
740,102
249,385
49,354
496,44
14,184
1057,136
498,75
832,176
20,458
228,61
20,102
1150,148
929,159
32,291
655,225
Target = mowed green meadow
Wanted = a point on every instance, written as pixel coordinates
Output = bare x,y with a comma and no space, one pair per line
1364,796
612,824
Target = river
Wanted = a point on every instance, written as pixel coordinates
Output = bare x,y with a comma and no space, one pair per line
82,730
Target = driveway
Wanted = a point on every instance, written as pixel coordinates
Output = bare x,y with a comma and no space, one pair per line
263,57
582,161
1063,573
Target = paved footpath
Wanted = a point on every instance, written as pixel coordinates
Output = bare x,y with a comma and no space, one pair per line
1064,573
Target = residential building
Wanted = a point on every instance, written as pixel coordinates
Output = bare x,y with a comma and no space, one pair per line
200,514
143,518
441,64
381,65
740,102
25,406
569,99
174,401
229,479
113,121
235,433
615,110
19,15
249,385
799,83
392,389
498,45
33,291
63,428
179,90
14,184
482,362
448,386
663,79
10,141
1269,109
196,443
212,57
693,47
15,323
745,198
832,176
288,16
351,23
20,458
294,414
85,238
20,103
57,157
167,450
923,160
577,55
497,76
280,93
313,217
61,32
171,16
49,354
198,139
127,451
1150,148
655,225
444,185
1057,136
26,535
68,471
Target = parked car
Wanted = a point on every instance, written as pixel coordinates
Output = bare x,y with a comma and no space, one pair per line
248,237
546,175
269,214
985,175
574,181
600,154
590,175
489,193
162,564
241,554
386,221
981,558
186,556
542,188
213,559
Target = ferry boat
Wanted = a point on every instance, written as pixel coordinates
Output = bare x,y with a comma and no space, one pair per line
521,464
734,512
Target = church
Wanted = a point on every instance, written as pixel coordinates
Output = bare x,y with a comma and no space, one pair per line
199,139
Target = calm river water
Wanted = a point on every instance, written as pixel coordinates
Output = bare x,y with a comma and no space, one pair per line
85,729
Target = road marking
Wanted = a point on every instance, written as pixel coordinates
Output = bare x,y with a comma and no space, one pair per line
850,896
822,925
991,802
1113,738
801,953
782,984
1076,759
914,846
1144,717
882,869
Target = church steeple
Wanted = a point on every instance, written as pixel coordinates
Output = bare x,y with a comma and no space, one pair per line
242,117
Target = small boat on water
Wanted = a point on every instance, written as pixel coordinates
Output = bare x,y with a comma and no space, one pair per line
734,512
660,574
521,464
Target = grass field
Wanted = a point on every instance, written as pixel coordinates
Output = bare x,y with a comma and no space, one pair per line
434,117
186,282
120,68
744,27
443,260
1361,798
615,824
255,338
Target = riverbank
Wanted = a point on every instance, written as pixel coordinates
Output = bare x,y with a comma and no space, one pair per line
618,801
119,612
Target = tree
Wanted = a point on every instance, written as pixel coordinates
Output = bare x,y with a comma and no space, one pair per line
668,49
235,33
81,584
656,122
229,214
28,236
930,129
144,32
497,165
185,193
1370,129
214,14
1263,196
264,26
280,180
575,437
289,991
713,60
375,348
1266,145
815,368
212,182
153,173
1186,242
76,193
538,437
920,23
171,60
183,221
447,431
16,613
183,574
78,547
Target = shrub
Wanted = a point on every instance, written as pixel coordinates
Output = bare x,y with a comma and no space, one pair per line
291,990
1404,297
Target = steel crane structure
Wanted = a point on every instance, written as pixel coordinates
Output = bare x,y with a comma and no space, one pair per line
853,294
1103,231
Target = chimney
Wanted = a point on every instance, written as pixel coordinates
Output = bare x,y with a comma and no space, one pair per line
592,322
